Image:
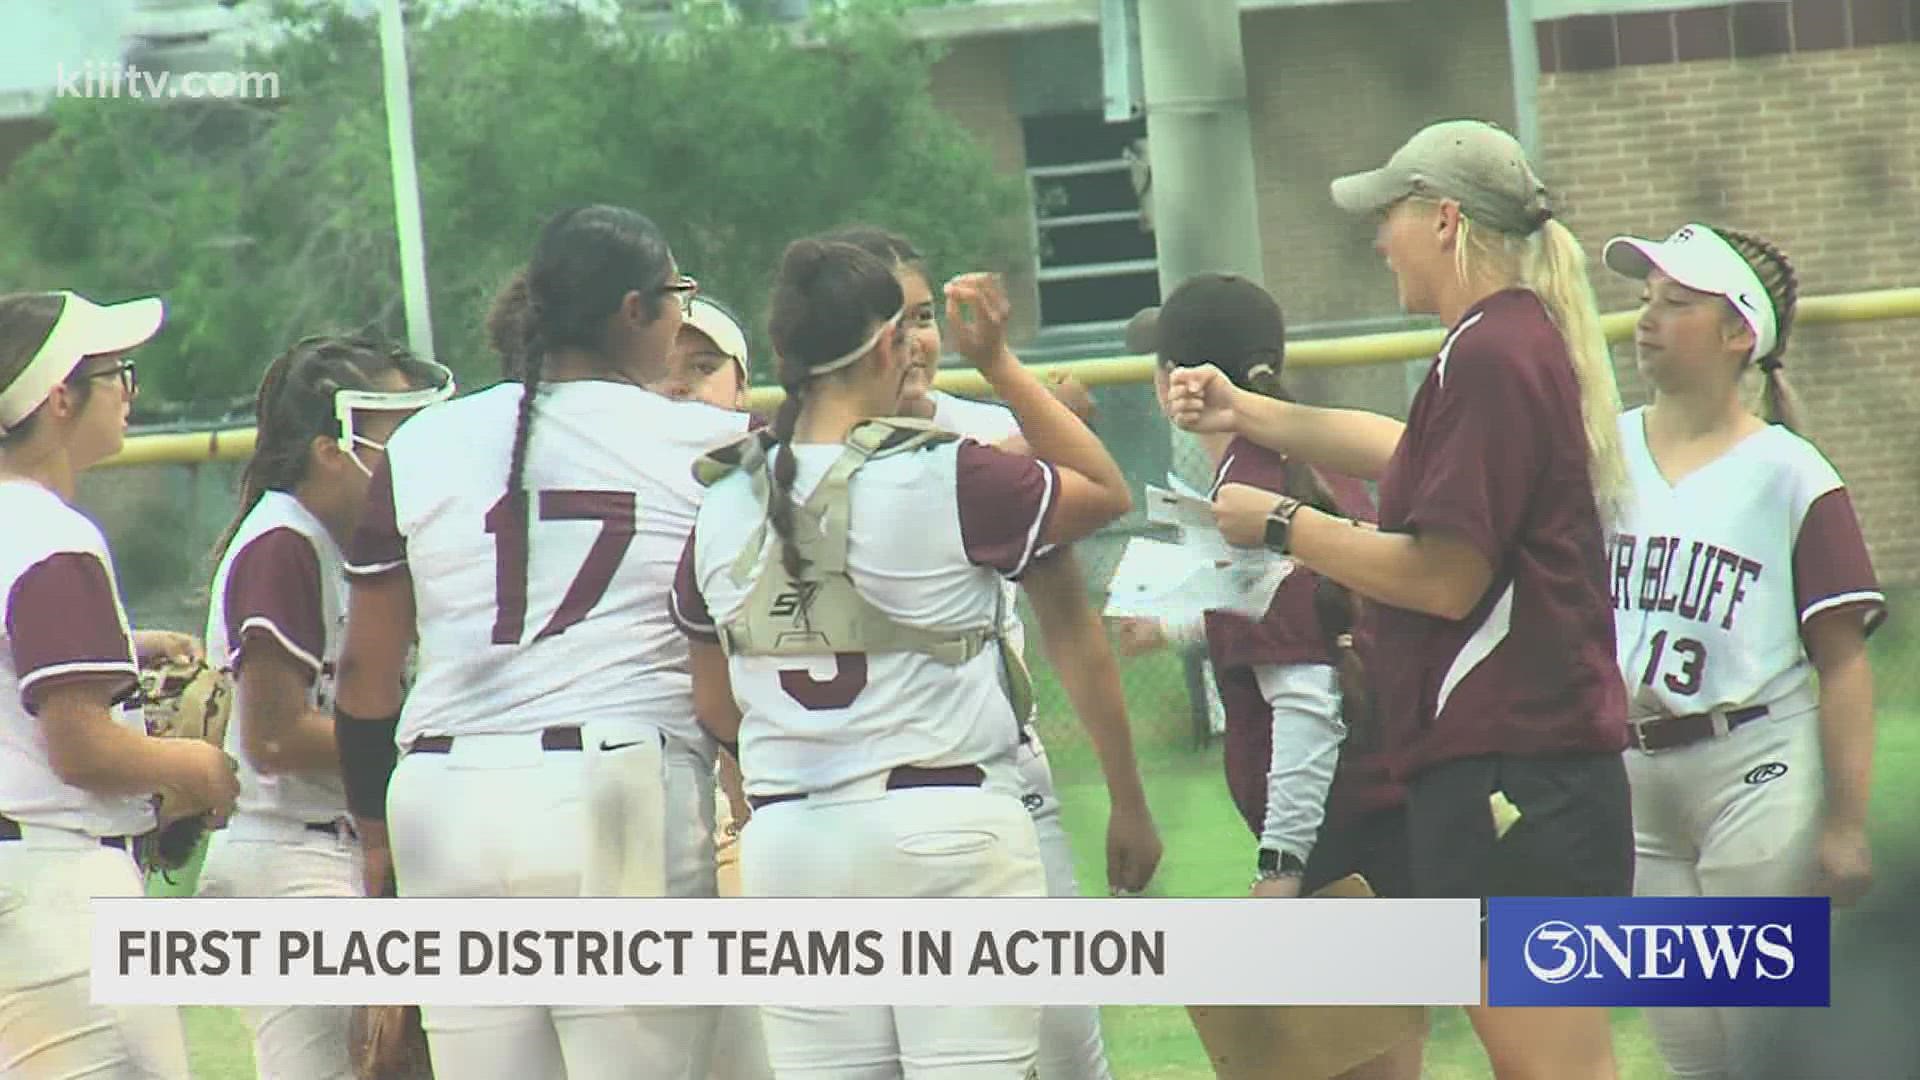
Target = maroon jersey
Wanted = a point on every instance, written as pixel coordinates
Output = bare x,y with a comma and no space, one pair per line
1495,453
1289,633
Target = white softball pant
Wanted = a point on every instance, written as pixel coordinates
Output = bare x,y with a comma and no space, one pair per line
1071,1047
256,855
1738,815
497,815
914,842
49,1026
739,1043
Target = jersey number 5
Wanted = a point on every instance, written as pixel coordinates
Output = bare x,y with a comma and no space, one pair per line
507,523
1687,681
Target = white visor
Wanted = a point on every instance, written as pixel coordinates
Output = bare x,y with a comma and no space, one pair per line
726,335
348,402
83,329
1697,257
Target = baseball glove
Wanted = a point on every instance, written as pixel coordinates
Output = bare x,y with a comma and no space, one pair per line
181,699
388,1041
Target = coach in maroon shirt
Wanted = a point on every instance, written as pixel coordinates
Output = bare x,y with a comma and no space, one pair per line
1493,633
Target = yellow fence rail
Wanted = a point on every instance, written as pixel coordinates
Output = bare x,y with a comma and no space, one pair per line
236,444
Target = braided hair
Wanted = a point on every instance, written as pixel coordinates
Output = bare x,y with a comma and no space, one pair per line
827,296
586,261
1776,274
295,407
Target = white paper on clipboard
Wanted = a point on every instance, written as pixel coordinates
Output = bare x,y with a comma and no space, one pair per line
1157,579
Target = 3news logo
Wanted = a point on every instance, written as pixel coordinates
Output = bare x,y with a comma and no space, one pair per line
1659,951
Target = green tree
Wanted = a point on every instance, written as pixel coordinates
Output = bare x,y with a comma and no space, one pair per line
261,222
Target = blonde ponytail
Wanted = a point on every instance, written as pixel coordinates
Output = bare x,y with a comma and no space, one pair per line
1556,270
1551,265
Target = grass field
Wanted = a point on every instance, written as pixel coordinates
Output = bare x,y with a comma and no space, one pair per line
1207,854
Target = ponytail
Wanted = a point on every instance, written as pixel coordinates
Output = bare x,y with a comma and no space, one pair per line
1780,404
1550,263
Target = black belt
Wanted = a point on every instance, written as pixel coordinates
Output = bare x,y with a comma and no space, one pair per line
553,738
904,776
10,830
1673,732
334,828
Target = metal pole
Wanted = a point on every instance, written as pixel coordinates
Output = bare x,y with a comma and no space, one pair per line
1524,49
406,180
1206,216
1199,140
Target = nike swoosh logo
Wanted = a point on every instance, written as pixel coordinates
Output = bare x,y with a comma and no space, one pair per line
621,745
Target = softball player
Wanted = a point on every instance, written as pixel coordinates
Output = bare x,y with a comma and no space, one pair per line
1486,576
77,769
1316,793
1071,1046
879,743
1738,574
709,364
326,407
549,746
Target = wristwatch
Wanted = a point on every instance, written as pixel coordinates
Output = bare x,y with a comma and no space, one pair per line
1280,523
1279,864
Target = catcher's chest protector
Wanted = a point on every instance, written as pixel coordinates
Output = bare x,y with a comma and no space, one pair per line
822,612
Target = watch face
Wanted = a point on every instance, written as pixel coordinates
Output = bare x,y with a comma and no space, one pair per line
1276,537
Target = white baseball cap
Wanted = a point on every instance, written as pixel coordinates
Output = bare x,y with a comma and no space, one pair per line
83,329
1702,260
720,327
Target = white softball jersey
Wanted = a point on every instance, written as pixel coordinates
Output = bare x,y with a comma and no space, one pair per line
61,617
281,579
933,532
564,620
1714,578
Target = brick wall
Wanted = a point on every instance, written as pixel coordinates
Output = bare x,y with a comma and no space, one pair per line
1815,149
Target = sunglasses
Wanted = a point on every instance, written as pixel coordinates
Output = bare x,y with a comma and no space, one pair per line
686,288
119,369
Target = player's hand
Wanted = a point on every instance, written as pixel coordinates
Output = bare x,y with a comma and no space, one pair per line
1139,636
205,780
1283,888
1202,400
150,647
1074,394
1241,512
1846,863
977,314
1133,848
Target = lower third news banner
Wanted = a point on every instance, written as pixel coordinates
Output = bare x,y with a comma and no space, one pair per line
1653,952
1128,951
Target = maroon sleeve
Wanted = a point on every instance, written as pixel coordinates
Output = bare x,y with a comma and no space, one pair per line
64,624
1479,450
1831,567
273,591
377,544
1005,503
1254,465
685,603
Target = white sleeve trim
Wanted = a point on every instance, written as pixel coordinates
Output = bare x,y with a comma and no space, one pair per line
77,667
1033,545
680,616
370,569
1831,602
261,622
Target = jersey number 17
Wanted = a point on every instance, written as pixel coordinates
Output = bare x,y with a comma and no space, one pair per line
507,523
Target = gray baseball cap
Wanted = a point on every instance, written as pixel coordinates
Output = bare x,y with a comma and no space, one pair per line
1470,161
